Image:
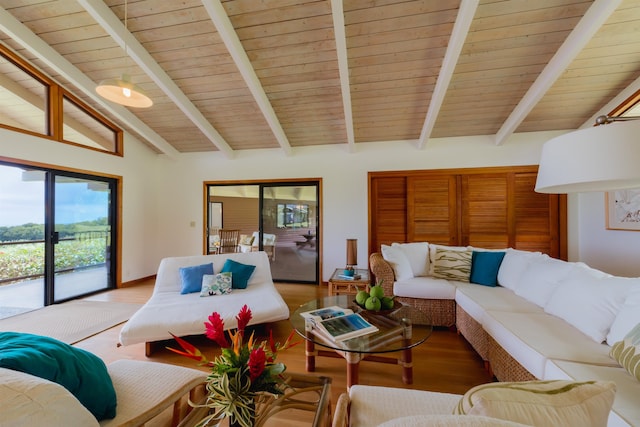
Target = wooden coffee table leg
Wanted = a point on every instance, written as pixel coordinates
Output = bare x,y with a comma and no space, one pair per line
353,366
310,355
406,361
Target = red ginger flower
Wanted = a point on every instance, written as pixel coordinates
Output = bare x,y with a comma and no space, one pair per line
215,330
257,362
243,318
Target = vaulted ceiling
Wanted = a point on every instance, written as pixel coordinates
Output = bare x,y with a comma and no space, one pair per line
247,74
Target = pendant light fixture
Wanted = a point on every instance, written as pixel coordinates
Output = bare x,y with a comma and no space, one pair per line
122,90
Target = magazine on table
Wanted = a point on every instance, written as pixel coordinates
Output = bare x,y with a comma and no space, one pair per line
337,323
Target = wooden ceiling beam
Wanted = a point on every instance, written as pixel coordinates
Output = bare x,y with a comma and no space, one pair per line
593,19
458,36
112,25
34,44
218,16
337,12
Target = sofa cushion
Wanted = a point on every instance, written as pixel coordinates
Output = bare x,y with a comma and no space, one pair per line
627,352
531,338
417,254
485,266
513,265
449,421
425,287
191,277
590,304
372,405
216,284
398,261
28,400
627,318
452,264
82,373
541,278
476,300
542,403
240,273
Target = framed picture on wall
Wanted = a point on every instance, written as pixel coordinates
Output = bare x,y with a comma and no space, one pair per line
623,209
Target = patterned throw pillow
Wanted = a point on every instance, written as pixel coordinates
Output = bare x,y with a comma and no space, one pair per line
627,352
247,240
567,403
452,265
216,284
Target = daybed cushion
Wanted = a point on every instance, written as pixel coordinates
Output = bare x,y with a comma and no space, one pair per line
425,287
28,400
449,421
168,311
82,373
542,403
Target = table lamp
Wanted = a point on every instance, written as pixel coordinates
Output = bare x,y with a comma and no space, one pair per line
352,257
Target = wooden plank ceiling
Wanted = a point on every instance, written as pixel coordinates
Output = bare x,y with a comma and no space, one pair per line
244,74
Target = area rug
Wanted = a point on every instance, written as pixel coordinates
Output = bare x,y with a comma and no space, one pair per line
72,321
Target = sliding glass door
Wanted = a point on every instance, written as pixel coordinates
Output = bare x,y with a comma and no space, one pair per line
57,231
280,218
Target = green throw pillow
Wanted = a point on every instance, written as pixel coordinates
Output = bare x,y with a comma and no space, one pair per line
82,373
627,352
240,273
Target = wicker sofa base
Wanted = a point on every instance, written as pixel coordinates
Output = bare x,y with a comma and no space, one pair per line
473,332
441,312
505,367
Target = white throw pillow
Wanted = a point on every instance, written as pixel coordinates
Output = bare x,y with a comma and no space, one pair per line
418,255
590,304
398,260
627,318
541,278
513,265
432,253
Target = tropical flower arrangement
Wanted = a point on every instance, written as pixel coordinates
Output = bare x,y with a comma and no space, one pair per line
239,372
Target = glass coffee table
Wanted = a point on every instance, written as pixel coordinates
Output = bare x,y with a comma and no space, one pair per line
399,330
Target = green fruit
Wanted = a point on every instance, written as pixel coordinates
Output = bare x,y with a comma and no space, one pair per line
387,303
362,297
373,303
376,291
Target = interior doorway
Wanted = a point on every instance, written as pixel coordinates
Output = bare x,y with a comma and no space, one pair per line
281,218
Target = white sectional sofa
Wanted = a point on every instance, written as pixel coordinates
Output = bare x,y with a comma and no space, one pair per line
543,318
169,311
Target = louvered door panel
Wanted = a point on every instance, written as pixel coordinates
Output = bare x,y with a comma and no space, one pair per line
388,213
432,210
486,215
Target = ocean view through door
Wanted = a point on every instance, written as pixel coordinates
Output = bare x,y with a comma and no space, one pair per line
57,233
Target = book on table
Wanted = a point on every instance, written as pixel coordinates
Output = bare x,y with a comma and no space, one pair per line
345,277
337,323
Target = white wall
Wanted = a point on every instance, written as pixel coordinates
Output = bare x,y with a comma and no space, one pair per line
344,177
163,196
138,169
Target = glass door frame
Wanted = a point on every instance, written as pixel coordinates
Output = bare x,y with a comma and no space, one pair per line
261,184
114,249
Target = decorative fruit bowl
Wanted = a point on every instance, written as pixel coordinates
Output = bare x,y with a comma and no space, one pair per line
396,305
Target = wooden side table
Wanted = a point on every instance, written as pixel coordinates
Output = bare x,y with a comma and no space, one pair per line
341,286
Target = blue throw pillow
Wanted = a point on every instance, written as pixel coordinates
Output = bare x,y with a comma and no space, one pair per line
191,277
240,273
82,373
485,266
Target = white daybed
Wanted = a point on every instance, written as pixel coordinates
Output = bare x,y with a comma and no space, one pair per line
169,311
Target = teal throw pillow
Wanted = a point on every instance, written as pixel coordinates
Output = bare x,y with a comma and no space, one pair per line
485,266
240,273
82,373
191,277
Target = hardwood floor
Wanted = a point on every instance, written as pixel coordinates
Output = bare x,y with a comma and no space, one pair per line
444,363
